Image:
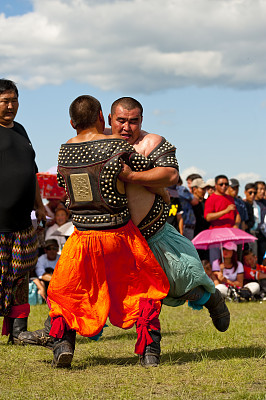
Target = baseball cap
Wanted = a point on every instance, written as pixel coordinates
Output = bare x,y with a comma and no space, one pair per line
199,182
230,246
233,182
51,242
210,182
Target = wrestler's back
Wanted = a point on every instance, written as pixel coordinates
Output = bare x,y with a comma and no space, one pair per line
140,201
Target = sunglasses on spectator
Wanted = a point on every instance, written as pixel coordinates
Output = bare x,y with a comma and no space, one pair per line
223,184
51,248
251,192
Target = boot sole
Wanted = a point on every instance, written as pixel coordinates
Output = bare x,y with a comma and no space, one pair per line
63,361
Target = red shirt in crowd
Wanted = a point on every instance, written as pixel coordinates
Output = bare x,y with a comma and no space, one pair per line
251,274
216,203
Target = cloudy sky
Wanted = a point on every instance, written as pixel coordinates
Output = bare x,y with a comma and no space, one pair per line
197,66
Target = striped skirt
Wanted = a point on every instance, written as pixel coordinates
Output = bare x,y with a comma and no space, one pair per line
18,255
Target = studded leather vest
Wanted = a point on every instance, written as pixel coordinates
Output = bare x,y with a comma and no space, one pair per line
162,156
89,173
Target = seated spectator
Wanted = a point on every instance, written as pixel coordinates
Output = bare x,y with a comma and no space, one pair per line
253,272
61,217
208,269
46,263
230,272
51,206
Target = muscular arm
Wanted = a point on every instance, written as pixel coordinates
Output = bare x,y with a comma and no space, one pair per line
156,177
237,221
216,215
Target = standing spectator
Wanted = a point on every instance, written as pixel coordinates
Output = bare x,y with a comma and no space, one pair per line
210,188
261,203
250,192
198,187
252,223
19,195
187,201
190,178
220,210
175,212
233,190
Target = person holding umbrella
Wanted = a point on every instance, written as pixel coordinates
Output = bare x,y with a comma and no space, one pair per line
230,272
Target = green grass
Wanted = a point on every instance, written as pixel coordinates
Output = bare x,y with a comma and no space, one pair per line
197,361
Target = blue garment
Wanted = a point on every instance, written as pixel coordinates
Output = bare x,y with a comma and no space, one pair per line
185,198
241,208
180,261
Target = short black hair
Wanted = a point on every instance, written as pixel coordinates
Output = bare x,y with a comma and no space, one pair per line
220,177
193,176
84,111
128,103
8,86
259,183
249,186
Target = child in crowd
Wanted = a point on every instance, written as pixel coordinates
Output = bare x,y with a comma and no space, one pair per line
208,269
253,272
61,217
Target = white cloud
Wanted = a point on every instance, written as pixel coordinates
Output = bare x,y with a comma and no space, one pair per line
137,45
246,177
191,170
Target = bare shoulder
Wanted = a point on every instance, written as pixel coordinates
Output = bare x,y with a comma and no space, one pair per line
147,142
72,140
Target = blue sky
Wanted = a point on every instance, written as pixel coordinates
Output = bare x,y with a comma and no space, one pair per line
198,67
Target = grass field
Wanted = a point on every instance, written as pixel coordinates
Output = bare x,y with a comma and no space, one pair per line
197,361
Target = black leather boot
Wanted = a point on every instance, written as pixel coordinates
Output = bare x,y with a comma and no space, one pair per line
64,350
216,306
18,325
40,337
151,356
218,310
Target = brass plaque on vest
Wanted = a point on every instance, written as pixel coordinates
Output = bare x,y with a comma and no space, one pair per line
81,187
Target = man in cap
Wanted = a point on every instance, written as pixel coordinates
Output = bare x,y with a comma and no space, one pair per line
198,187
47,262
210,187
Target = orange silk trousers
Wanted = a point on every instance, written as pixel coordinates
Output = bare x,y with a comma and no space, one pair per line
104,274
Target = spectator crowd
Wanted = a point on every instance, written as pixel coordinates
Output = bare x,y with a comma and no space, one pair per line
238,273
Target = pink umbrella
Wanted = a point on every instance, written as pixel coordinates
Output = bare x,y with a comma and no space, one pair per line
216,237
